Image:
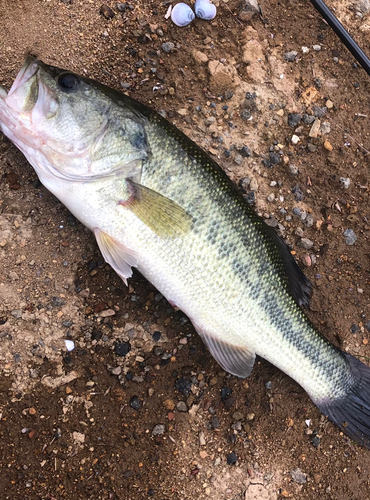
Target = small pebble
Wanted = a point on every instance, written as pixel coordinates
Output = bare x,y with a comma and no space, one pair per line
158,430
315,441
306,243
167,47
295,139
328,146
106,11
350,236
354,328
345,181
156,336
232,459
293,169
294,119
298,476
122,348
70,345
316,47
181,406
290,56
135,403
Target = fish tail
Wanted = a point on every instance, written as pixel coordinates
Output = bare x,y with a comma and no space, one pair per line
351,412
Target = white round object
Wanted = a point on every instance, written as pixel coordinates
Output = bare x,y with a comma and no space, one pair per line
182,15
204,9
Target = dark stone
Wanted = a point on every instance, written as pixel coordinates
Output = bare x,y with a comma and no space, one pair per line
250,198
245,151
122,348
315,441
135,403
156,336
183,385
294,119
298,195
107,12
354,328
245,114
215,423
232,458
96,335
225,393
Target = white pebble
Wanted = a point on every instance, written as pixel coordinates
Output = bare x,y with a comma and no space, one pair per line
295,139
70,345
316,47
305,50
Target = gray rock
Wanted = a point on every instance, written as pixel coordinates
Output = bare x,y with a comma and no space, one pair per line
158,430
309,220
290,56
298,476
318,111
306,243
294,119
248,9
345,181
308,119
325,128
167,47
181,406
350,236
293,169
311,147
245,114
16,313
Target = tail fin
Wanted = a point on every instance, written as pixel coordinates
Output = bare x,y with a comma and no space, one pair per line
352,412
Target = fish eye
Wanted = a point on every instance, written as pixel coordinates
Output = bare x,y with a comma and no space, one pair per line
68,82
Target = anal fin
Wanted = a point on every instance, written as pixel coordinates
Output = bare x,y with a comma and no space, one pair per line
237,360
119,257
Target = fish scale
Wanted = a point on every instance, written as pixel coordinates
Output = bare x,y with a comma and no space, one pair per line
157,202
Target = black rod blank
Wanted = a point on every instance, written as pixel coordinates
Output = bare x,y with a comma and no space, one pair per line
343,34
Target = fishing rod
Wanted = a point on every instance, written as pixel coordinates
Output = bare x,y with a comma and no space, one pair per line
343,34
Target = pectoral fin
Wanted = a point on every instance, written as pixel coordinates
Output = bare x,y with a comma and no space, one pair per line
162,215
236,360
121,258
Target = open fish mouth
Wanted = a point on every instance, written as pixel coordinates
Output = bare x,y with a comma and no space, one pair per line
29,69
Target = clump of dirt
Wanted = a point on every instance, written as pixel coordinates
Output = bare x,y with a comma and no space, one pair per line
139,408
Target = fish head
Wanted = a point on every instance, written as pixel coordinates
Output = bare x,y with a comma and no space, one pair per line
68,127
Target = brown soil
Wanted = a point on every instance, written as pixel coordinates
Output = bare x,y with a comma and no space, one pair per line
67,429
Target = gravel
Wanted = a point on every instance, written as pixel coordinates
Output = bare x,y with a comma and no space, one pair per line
345,182
306,243
350,236
158,430
167,47
135,403
290,56
294,119
298,476
232,459
122,348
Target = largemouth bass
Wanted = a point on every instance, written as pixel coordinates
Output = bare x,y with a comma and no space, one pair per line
157,202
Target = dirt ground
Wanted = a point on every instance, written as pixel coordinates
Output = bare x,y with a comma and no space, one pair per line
139,409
